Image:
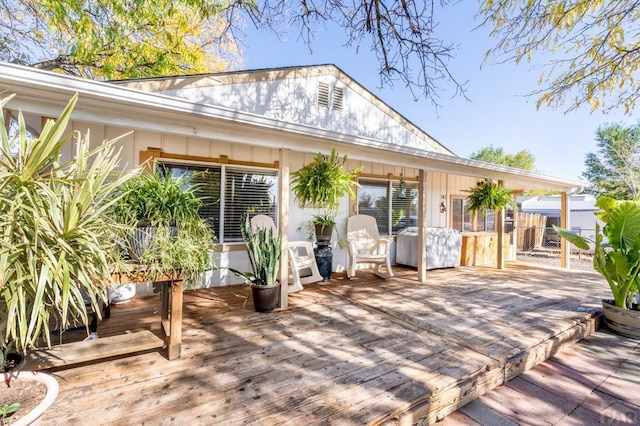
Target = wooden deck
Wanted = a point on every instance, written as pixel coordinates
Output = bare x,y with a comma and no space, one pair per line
358,351
595,381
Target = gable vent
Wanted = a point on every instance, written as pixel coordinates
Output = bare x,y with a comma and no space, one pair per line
337,99
323,95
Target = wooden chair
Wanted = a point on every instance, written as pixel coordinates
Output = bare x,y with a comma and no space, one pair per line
366,246
301,257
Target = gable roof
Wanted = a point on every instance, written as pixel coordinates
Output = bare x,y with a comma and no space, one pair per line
46,93
210,89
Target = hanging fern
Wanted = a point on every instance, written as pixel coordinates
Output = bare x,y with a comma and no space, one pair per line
488,195
324,182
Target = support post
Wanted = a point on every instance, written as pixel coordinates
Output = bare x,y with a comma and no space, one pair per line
422,225
283,225
500,231
565,248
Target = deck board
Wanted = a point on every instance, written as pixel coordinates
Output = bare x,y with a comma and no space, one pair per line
344,352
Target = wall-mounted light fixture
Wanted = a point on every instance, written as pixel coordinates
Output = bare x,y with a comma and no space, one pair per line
443,205
402,192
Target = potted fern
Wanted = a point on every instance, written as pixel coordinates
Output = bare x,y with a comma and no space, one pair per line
488,195
162,228
617,258
324,183
57,240
263,247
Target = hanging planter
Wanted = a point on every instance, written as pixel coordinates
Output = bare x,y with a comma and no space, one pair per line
488,195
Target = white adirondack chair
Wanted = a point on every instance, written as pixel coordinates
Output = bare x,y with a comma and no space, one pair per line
366,246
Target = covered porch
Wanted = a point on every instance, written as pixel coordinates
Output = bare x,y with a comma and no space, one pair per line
360,351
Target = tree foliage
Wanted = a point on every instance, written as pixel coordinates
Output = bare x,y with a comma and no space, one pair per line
614,169
523,159
110,39
594,46
124,38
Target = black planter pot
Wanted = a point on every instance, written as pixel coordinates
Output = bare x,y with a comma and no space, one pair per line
324,259
265,297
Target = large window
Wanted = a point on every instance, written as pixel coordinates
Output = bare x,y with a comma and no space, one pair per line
462,218
384,201
229,193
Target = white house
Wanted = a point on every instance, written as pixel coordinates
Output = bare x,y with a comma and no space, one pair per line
250,129
581,211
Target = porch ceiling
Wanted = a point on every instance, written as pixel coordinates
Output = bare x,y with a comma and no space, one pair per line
46,93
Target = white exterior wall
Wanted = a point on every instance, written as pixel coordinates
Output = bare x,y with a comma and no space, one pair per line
295,100
132,143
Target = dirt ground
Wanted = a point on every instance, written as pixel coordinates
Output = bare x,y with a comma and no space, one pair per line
582,263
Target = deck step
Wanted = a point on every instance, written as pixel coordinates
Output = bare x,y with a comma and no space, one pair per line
92,350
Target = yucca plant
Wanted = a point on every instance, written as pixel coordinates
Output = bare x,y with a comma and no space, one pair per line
264,248
56,238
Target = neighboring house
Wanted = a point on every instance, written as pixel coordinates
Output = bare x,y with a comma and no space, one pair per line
582,208
248,130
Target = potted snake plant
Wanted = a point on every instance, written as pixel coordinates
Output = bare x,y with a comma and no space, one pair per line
263,247
57,240
616,256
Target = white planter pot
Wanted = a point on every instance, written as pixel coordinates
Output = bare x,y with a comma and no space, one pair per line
34,416
121,293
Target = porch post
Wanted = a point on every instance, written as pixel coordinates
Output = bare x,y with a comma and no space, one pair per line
565,251
422,225
283,224
500,231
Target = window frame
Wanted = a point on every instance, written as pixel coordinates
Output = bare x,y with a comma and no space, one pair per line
224,168
390,186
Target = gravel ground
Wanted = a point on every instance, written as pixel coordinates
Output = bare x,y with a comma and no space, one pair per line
584,263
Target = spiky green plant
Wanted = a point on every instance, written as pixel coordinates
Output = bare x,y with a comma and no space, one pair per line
264,247
56,238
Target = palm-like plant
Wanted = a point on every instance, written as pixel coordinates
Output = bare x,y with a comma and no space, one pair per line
56,241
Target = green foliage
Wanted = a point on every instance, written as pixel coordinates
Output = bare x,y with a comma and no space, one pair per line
488,195
7,410
324,182
264,247
520,160
614,169
618,260
156,200
593,43
57,239
180,240
112,39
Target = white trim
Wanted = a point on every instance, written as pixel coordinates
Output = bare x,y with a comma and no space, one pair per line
47,93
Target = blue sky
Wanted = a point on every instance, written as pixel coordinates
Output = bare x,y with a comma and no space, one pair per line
499,112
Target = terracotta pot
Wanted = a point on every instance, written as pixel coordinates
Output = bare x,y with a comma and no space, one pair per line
265,297
33,417
625,322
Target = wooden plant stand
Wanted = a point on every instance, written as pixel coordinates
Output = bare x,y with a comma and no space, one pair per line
105,347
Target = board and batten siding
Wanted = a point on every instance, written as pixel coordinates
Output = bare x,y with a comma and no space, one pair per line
295,100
